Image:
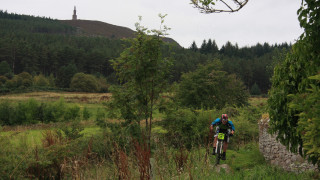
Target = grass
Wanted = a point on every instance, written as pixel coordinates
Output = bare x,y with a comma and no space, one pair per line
258,101
245,162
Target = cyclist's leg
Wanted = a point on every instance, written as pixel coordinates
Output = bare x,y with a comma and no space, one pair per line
226,142
225,146
216,137
215,141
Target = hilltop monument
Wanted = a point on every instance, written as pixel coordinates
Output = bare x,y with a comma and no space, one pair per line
74,16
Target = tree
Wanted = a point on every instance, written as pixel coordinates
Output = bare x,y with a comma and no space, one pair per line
294,95
210,87
203,48
143,75
65,74
4,68
214,47
208,6
255,90
194,46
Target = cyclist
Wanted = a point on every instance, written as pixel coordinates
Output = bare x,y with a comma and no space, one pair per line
223,125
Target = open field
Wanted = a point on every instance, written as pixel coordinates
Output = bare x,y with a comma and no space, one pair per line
74,97
96,150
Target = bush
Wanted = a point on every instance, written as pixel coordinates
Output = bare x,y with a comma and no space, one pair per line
3,80
41,81
186,127
24,79
84,82
72,113
54,112
7,113
27,112
85,113
209,87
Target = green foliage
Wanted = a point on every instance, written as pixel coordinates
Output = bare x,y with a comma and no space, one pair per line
3,80
27,112
255,90
7,113
72,113
4,68
41,80
247,157
86,113
102,84
143,74
308,104
72,132
101,119
290,97
246,124
186,128
32,112
65,74
84,83
22,80
209,87
46,46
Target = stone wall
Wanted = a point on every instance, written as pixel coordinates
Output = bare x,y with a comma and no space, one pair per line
277,154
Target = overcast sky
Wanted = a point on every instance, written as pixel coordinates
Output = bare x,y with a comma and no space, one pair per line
272,21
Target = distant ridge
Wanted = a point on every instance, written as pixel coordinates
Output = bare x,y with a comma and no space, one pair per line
98,28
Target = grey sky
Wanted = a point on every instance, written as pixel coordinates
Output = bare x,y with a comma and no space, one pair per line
272,21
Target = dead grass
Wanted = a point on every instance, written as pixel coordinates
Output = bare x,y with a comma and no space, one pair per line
258,101
73,97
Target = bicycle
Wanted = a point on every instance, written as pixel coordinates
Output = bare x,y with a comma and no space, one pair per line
220,144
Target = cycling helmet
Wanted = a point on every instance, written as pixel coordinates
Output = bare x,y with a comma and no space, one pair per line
224,117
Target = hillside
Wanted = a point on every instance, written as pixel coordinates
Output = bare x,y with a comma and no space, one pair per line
98,28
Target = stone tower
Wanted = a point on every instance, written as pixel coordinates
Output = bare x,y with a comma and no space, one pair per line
74,16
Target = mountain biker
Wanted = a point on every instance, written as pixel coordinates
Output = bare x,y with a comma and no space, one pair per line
223,126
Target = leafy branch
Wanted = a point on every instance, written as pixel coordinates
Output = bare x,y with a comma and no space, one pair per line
219,6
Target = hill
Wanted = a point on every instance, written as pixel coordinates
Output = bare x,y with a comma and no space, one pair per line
98,28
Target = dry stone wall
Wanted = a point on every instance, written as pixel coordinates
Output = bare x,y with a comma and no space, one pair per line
277,154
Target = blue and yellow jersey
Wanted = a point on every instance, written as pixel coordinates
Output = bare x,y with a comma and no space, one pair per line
219,123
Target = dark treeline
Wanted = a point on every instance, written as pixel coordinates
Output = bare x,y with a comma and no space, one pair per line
254,65
45,46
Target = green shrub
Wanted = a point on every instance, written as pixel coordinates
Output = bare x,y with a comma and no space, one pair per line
101,118
24,79
72,132
210,87
4,68
186,127
72,113
7,112
3,80
102,84
85,113
255,90
27,112
41,81
84,82
54,112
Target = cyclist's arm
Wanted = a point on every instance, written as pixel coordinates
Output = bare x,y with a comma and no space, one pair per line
215,122
232,126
